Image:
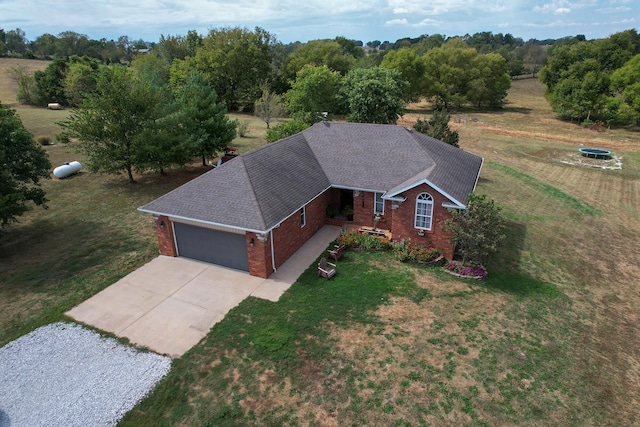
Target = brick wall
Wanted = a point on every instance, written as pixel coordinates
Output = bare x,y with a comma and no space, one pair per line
289,237
364,211
164,231
259,255
403,219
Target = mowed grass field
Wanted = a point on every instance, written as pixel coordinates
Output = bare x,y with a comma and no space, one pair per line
552,337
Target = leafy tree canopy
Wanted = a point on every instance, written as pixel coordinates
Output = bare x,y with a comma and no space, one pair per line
236,62
314,92
438,127
329,53
203,119
478,229
23,163
578,75
411,67
374,95
116,121
282,130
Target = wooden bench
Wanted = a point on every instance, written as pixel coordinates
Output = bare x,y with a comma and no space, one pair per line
336,253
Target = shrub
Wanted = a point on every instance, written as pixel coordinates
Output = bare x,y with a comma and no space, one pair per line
44,140
406,252
243,129
62,137
285,129
367,242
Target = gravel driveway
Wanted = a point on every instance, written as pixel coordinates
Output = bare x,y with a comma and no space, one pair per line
66,375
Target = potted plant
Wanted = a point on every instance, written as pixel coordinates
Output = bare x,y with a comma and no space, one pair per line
332,210
420,232
348,212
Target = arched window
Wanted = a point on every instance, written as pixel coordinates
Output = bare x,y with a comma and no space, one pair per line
424,211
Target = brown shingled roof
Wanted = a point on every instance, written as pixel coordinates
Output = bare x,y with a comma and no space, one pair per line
258,190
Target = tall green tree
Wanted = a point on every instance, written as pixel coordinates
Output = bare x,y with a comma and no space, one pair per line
235,61
626,81
80,79
269,106
23,163
112,127
412,69
16,41
490,82
578,73
313,92
478,229
318,53
438,128
203,119
50,83
449,74
45,45
374,95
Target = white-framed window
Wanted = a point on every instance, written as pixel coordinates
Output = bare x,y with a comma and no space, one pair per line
378,203
303,217
424,211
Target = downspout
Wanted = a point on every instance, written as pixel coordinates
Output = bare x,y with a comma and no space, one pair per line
273,259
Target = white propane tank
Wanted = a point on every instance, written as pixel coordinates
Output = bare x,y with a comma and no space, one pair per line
69,168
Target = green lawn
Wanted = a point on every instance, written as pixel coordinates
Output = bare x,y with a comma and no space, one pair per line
383,343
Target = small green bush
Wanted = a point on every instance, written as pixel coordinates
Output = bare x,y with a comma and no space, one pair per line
62,137
243,129
44,140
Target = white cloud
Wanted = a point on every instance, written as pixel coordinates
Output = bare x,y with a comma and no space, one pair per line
556,5
562,10
428,22
440,7
402,21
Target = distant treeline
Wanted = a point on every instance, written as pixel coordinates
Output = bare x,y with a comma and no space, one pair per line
453,72
68,43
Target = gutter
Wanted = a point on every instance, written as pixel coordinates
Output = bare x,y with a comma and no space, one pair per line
273,257
216,224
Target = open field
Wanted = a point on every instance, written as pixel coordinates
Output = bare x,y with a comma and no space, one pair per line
551,338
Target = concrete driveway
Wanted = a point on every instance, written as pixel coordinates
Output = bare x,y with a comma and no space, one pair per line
170,304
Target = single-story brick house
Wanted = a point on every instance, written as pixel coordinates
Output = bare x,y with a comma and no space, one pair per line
256,211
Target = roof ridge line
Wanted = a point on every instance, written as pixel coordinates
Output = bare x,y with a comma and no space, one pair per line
252,193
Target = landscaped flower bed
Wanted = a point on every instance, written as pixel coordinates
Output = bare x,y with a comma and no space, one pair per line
476,272
406,252
353,239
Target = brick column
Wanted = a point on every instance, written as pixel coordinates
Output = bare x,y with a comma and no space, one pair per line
164,231
259,255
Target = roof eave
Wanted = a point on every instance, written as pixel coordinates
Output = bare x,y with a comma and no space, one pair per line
217,224
430,184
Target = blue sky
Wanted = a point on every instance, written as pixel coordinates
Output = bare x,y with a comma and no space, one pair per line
305,20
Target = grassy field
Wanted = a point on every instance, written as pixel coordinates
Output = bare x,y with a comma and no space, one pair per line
551,338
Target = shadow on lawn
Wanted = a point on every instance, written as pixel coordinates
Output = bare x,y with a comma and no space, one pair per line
505,269
46,253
